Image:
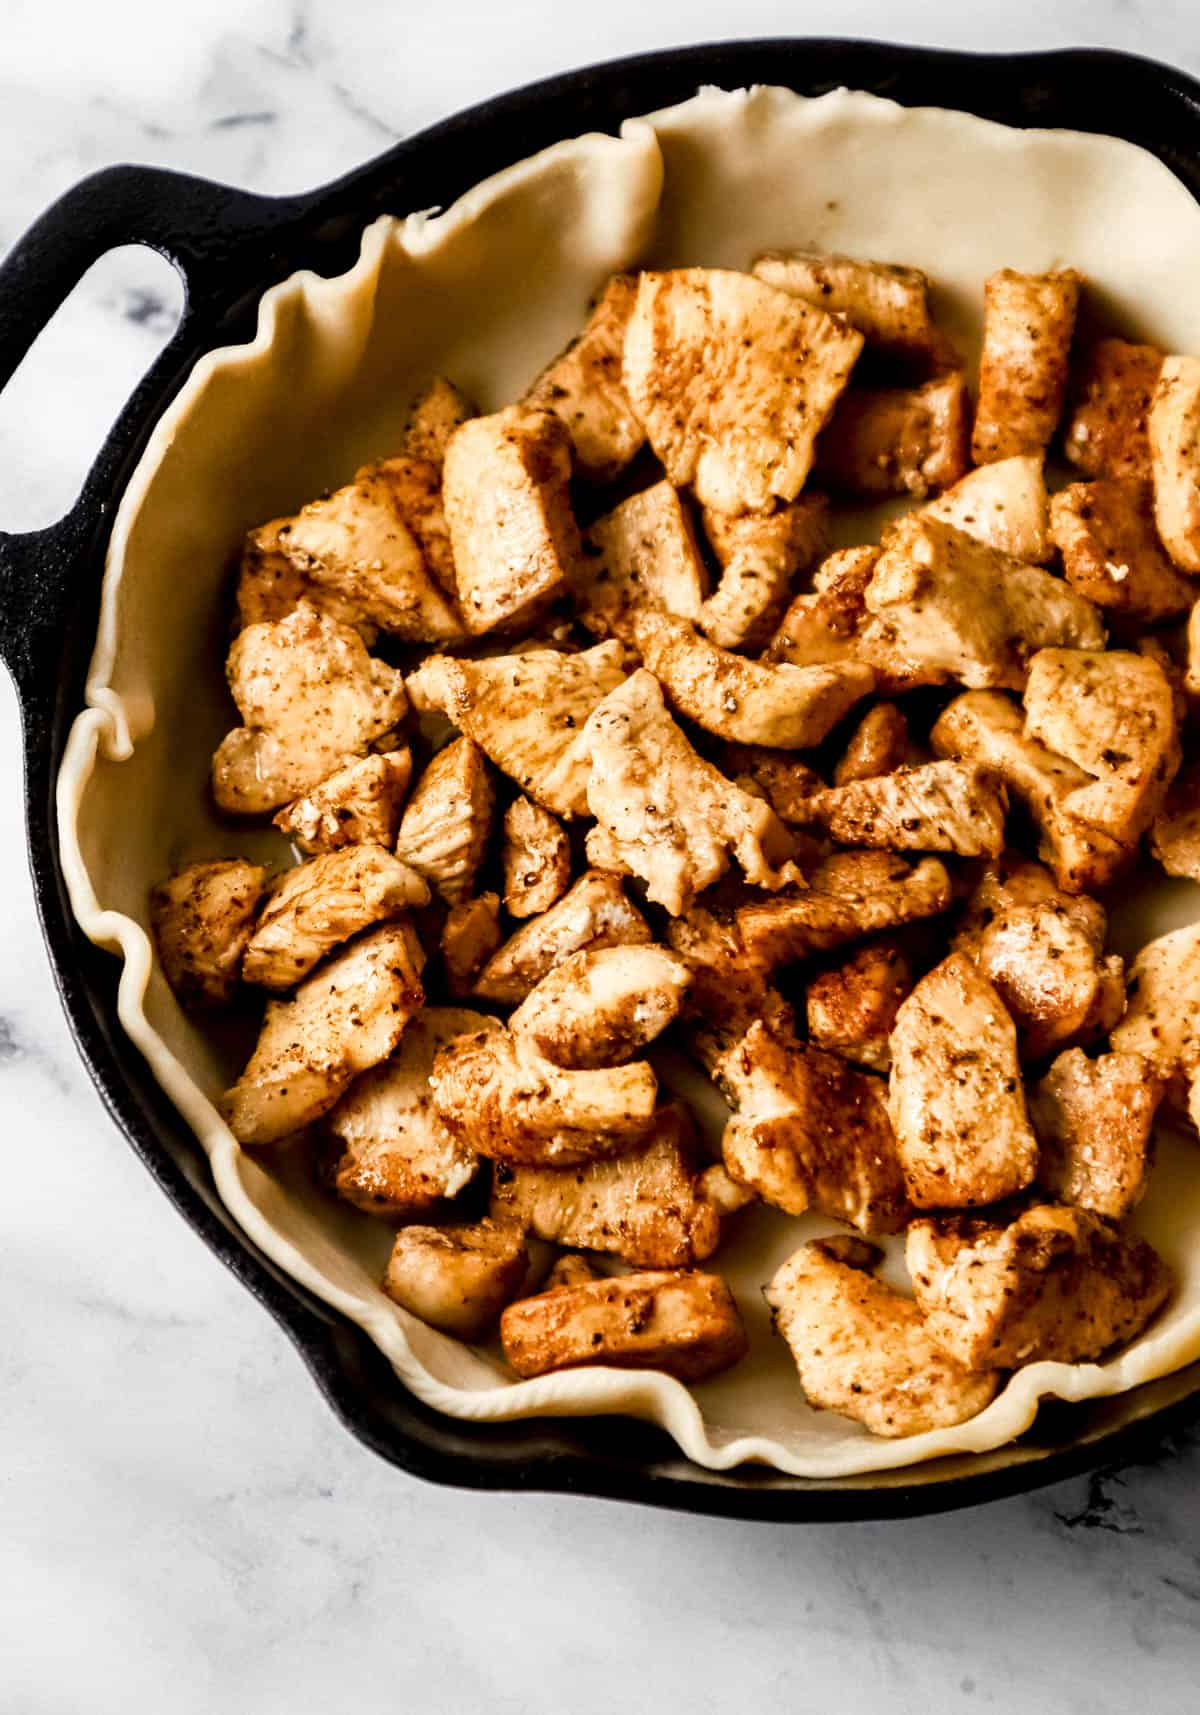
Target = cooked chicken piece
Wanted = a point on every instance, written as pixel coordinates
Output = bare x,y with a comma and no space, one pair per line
671,817
1154,649
1112,386
395,1157
1106,534
723,1192
851,895
1044,952
938,807
852,1007
685,1324
729,990
645,549
733,380
789,708
315,907
943,606
202,918
440,410
312,700
470,935
810,1131
445,828
1175,836
1004,505
536,858
357,805
457,1279
1057,1285
1174,432
1094,1121
955,1093
986,727
1162,1019
344,1019
861,1347
508,508
497,1094
787,782
570,1270
527,712
584,387
759,555
362,552
897,440
647,1205
594,913
1028,324
1112,713
888,305
825,625
599,1008
877,746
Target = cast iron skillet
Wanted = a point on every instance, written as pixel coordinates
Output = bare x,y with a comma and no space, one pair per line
230,246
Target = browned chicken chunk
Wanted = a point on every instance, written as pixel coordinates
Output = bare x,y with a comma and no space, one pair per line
601,1007
457,1279
896,440
1094,1120
202,919
826,623
536,859
852,1006
1175,836
1174,430
1111,387
440,410
1162,1019
445,828
594,913
357,805
645,549
1111,553
861,1347
939,807
584,387
787,782
888,305
1028,325
470,936
878,745
759,554
1052,1284
1004,505
852,895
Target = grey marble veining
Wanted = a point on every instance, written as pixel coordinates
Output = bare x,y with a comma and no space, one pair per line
183,1525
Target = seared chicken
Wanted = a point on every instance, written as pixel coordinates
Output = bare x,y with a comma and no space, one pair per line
877,746
861,1347
202,919
810,1131
896,440
512,531
457,1279
1028,324
536,859
685,1324
594,913
729,989
786,782
826,623
312,700
645,549
1004,505
395,1157
584,388
1162,1018
440,410
852,895
1174,431
852,1006
570,1270
1175,836
1112,386
671,817
1094,1120
470,935
938,807
445,828
1111,553
527,713
601,1007
955,1094
759,555
888,305
733,380
1052,1284
344,1019
315,907
357,805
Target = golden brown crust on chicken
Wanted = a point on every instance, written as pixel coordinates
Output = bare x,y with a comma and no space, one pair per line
527,713
852,1006
601,1007
759,554
645,549
1028,325
440,410
787,782
594,913
955,1094
733,380
457,1279
937,807
357,805
1112,385
729,989
826,623
202,919
312,700
447,822
1004,505
1111,553
344,1019
585,388
1052,1284
851,895
470,936
1175,835
315,907
1174,432
1162,1018
896,440
877,746
393,1154
512,531
861,1347
685,1324
888,305
536,859
1094,1120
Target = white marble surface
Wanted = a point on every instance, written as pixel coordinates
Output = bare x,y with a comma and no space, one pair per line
183,1526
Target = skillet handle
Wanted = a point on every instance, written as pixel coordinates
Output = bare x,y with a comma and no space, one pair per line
208,232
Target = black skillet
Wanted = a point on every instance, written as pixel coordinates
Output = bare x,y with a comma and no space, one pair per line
230,246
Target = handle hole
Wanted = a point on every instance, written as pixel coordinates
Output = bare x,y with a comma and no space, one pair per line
62,401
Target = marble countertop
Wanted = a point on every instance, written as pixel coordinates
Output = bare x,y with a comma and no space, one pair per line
183,1525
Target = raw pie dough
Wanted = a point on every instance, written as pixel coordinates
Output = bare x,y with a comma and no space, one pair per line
487,292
